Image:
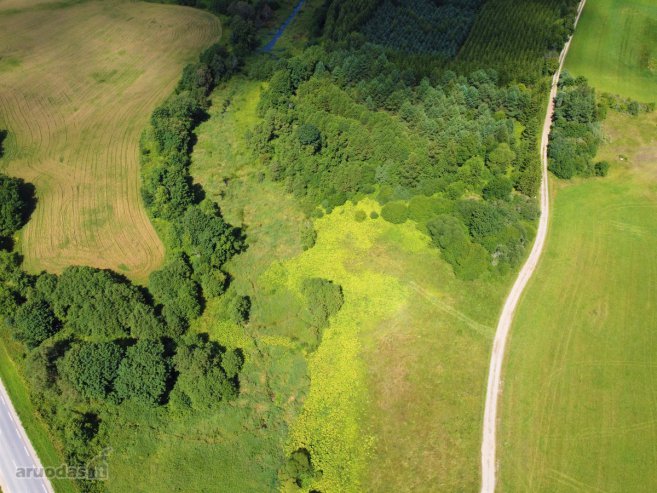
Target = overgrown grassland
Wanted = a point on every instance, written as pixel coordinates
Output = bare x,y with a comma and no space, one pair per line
398,382
78,84
406,356
578,409
616,48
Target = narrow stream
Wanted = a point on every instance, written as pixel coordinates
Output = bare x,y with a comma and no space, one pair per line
270,46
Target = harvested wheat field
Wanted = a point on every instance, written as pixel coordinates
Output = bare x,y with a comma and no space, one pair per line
78,81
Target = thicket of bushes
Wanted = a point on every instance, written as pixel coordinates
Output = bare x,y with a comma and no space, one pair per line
199,239
13,206
608,101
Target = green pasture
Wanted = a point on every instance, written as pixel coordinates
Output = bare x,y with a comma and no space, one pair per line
616,48
580,387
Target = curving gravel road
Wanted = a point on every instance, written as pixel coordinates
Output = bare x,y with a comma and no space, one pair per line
488,460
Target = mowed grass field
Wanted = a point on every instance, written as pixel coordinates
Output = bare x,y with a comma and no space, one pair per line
616,48
78,82
579,406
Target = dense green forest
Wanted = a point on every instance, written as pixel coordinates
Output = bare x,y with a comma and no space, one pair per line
521,40
425,150
422,26
448,149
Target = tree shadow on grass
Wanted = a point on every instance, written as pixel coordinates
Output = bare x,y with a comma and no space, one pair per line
3,136
28,196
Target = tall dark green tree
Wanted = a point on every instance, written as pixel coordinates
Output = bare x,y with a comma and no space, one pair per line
143,373
91,368
12,205
35,322
202,379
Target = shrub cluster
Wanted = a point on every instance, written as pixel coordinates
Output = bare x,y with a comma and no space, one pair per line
324,299
608,101
576,130
13,204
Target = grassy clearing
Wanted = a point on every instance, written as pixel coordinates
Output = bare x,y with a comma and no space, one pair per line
230,175
616,48
399,380
578,411
78,83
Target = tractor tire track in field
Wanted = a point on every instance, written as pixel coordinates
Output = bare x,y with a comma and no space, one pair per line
89,77
488,447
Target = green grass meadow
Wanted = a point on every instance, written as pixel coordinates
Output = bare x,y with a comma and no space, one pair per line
616,48
579,403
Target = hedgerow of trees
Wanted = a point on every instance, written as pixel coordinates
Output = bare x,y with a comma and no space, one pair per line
200,240
608,101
